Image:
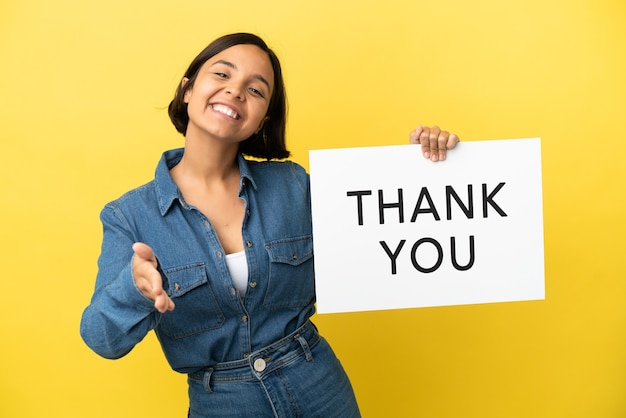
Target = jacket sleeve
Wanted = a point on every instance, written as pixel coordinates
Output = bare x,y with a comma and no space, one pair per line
119,315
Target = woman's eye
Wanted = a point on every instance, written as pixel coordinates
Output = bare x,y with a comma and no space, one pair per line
256,92
220,75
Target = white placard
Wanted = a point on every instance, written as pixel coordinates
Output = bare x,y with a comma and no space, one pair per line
393,230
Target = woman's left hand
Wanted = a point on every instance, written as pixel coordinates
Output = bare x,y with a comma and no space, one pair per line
435,142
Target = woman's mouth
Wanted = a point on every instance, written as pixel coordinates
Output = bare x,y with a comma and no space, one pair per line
225,110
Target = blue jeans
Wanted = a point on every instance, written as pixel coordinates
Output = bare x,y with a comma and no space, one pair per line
297,376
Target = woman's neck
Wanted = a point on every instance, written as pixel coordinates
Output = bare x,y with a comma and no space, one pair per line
208,161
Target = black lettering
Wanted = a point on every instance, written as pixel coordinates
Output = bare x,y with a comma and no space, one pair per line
488,199
453,254
393,256
439,257
467,210
382,206
431,206
359,202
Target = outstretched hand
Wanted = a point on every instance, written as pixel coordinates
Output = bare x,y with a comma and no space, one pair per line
148,279
435,142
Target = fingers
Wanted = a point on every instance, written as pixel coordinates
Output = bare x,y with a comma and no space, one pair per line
163,303
148,279
435,142
144,252
452,141
414,136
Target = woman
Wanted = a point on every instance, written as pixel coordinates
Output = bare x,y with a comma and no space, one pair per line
215,254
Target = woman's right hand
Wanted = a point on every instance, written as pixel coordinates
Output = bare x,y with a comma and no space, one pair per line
148,279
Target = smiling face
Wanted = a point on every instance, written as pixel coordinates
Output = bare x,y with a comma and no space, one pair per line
231,94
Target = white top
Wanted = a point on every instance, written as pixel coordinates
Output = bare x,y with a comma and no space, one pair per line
238,267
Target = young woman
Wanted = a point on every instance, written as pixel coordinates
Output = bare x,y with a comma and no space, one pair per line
216,254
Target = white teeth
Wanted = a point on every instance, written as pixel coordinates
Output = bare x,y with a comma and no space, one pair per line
226,111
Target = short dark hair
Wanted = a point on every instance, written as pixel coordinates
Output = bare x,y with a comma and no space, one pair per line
269,142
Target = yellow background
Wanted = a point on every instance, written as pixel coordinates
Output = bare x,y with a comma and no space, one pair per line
84,86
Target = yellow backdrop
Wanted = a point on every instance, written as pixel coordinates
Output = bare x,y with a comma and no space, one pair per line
84,90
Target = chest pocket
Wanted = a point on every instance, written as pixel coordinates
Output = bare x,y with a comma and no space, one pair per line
196,308
291,276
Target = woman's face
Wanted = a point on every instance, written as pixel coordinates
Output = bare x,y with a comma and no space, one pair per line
231,94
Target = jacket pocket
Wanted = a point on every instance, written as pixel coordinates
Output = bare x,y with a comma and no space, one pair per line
291,276
196,308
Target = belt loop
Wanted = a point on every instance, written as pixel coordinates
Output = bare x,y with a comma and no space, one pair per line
206,380
305,346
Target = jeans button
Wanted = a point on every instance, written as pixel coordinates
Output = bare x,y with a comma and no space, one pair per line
259,365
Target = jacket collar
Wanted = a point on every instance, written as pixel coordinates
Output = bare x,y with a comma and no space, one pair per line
166,189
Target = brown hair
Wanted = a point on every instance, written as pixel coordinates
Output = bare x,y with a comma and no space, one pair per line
269,142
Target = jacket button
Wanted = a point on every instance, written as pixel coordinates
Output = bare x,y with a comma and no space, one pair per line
244,318
249,244
259,365
253,284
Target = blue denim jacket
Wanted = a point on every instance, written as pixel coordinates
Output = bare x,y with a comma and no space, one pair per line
211,322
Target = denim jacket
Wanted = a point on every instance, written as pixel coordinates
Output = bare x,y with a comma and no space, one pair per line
211,323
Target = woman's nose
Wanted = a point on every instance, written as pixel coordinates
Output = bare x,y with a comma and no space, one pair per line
235,90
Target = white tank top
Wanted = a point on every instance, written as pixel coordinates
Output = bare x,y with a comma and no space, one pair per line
238,267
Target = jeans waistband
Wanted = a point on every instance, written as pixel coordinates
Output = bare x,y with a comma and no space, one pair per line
268,358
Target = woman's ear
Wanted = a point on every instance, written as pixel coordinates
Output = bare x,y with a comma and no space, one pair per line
187,92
